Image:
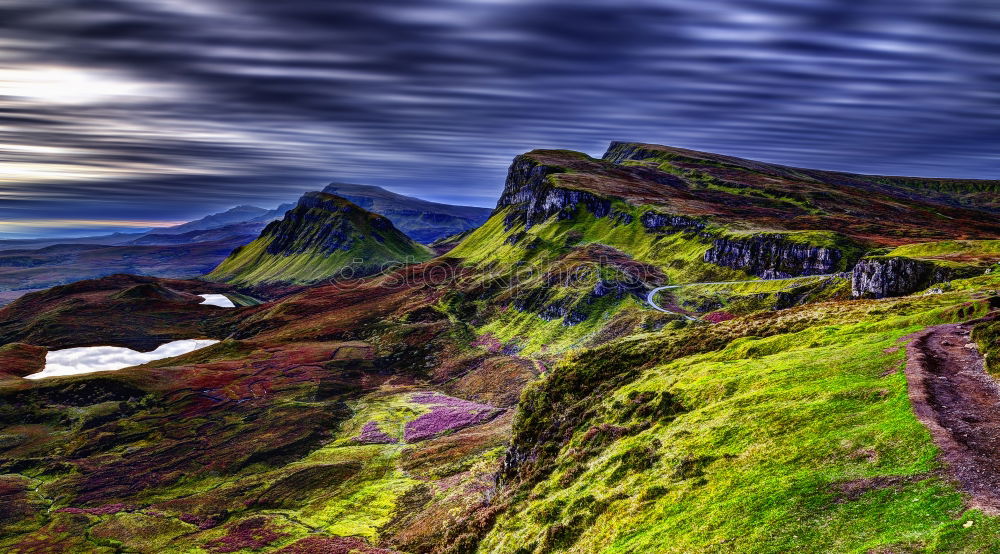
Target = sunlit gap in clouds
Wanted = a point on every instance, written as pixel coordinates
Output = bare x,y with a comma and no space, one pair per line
25,228
64,85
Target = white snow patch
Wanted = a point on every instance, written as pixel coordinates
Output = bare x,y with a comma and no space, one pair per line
220,300
88,359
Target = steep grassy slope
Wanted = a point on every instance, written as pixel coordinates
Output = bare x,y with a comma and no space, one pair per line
562,282
322,237
789,430
575,243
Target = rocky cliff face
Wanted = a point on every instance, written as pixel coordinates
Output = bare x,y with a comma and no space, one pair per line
655,221
529,188
772,256
885,276
535,196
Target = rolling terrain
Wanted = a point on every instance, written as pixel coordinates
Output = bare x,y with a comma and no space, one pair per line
197,247
518,393
24,270
182,251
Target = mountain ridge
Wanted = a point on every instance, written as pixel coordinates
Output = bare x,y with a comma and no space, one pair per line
422,220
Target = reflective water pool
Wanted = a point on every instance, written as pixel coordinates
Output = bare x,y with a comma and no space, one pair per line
220,300
88,359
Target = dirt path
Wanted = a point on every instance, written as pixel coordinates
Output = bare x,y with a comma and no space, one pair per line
960,404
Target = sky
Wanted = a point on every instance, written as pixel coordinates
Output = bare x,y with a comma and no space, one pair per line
126,114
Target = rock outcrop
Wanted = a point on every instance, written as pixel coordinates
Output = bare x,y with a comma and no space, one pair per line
536,197
885,276
656,221
773,256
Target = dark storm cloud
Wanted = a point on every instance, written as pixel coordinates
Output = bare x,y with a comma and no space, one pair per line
166,108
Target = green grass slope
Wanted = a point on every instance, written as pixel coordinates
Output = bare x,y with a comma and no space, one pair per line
323,237
783,431
558,263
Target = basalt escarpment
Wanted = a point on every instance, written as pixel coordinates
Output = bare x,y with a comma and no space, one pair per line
773,256
655,221
885,276
536,197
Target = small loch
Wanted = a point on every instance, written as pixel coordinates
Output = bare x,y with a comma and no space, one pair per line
220,300
89,359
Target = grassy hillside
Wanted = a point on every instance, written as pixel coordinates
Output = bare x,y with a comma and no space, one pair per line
323,237
788,430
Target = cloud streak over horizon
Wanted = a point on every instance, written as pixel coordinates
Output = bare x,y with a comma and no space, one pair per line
170,109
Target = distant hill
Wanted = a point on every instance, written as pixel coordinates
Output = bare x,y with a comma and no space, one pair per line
186,250
65,263
239,214
320,237
32,244
248,230
421,220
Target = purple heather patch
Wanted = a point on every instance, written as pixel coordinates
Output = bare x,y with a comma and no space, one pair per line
447,414
494,345
201,521
254,533
371,433
489,342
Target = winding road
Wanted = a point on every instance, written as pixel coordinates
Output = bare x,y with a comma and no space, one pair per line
652,293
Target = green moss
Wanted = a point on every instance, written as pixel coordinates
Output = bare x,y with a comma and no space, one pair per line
976,249
765,294
252,264
987,337
516,260
772,428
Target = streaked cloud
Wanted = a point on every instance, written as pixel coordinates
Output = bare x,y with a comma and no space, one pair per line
143,109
